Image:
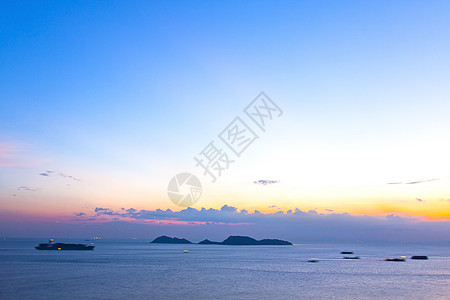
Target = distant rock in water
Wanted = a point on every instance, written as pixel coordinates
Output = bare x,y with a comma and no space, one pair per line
208,242
246,240
168,240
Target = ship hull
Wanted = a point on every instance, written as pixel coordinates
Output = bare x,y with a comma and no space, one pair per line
60,247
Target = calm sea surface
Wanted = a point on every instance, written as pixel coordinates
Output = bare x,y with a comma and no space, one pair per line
136,269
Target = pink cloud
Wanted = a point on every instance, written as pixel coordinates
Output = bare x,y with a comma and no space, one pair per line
171,221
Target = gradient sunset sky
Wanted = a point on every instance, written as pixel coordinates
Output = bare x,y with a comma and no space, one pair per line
103,102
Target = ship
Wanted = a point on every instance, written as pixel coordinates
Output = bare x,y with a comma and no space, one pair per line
394,259
61,246
419,257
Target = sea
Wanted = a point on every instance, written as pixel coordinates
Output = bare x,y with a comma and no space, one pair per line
136,269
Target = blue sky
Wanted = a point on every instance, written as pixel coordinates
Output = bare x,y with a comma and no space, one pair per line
124,94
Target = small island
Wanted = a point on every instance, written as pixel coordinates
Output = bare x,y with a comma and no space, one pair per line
168,240
231,240
208,242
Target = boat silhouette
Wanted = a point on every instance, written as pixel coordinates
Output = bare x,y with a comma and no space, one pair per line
62,246
394,259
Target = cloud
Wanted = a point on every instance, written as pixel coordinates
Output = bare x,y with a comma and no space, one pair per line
85,220
105,211
265,181
420,200
415,182
81,214
69,177
422,181
295,225
226,214
25,188
228,209
49,173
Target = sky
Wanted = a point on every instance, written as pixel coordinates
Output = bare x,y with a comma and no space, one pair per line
102,103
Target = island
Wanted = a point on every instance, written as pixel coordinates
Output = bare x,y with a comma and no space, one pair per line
231,240
168,240
246,240
208,242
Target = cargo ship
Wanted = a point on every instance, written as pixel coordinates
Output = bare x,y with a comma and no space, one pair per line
61,246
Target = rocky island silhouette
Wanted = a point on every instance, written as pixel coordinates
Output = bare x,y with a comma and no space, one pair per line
231,240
